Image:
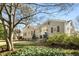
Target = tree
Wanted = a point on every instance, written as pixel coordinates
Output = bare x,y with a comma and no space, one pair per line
10,21
12,14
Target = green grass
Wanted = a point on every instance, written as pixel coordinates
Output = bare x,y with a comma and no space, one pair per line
23,50
33,49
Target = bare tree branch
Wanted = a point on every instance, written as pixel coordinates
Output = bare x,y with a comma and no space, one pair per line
7,11
1,18
29,16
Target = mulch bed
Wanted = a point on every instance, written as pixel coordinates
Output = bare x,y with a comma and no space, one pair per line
70,46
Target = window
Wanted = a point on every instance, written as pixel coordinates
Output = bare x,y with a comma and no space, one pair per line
51,29
25,34
58,29
31,32
48,23
46,29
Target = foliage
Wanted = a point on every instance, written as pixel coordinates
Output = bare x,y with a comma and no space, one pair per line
34,36
63,39
42,51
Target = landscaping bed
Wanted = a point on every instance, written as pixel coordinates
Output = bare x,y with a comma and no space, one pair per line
64,41
42,51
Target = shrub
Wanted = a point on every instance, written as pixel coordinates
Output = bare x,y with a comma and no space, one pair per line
56,38
63,39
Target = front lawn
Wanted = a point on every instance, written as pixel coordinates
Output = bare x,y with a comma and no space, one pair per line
23,50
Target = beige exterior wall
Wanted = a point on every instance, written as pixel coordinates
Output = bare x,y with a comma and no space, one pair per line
69,28
54,24
28,32
47,27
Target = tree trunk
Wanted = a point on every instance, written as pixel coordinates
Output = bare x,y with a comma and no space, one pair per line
9,43
11,40
8,36
7,40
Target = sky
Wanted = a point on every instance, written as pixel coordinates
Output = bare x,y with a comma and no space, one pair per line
70,16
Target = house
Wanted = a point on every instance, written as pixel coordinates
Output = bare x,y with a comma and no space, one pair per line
51,27
57,26
28,32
